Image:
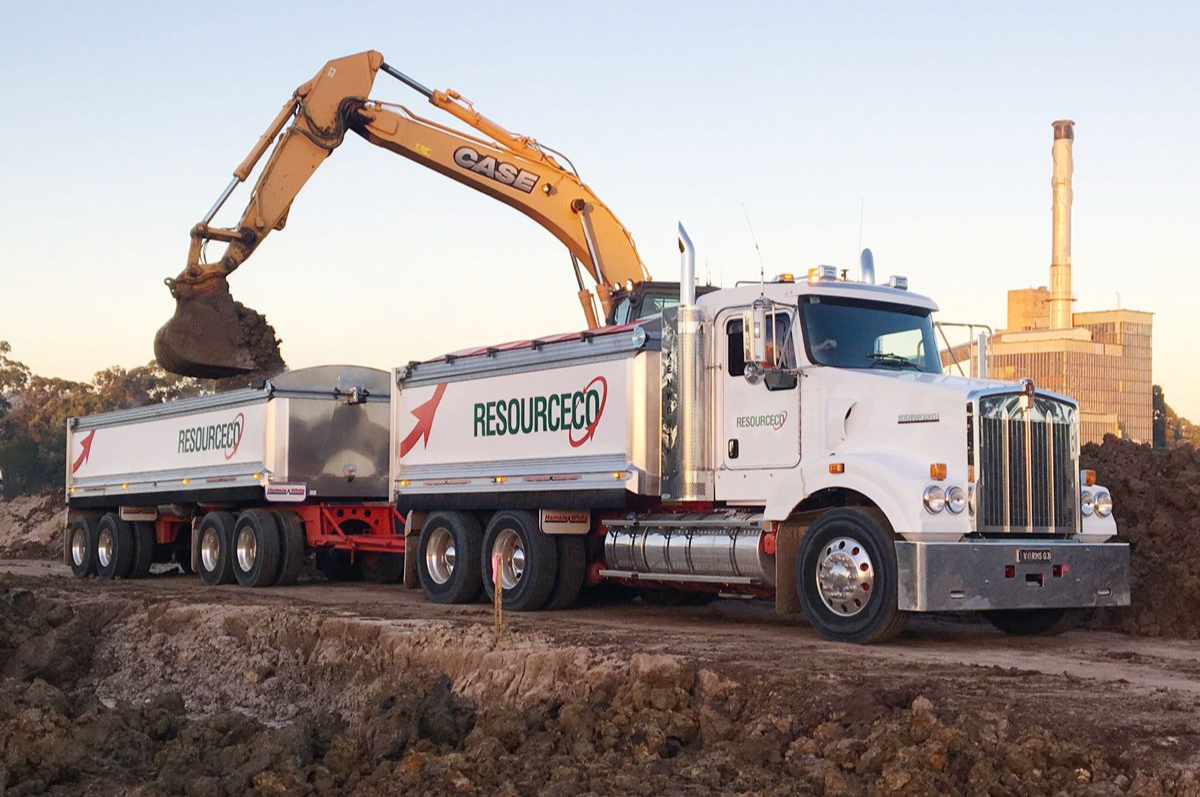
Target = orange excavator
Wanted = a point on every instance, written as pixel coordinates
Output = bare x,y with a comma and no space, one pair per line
212,336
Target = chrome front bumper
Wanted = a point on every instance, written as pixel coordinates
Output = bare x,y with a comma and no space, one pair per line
998,574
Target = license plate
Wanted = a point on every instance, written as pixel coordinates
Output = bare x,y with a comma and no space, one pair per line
1027,555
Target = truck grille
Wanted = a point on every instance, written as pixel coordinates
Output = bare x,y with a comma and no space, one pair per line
1027,465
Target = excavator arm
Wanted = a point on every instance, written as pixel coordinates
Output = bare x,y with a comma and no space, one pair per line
210,335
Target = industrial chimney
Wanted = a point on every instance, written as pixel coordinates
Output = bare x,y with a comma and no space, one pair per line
1060,257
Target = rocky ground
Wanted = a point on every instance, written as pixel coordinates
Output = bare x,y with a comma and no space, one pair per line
107,688
32,526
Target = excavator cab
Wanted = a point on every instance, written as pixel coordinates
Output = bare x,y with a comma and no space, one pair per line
646,299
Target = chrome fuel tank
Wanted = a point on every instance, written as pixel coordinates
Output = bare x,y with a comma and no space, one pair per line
719,547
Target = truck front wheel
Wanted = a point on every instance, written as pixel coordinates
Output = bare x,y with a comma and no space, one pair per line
448,557
846,577
528,560
211,552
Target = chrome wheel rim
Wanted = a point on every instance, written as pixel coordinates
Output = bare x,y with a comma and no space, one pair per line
210,549
845,577
104,547
440,555
78,549
512,557
247,548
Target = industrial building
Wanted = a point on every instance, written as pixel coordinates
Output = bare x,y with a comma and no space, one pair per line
1101,358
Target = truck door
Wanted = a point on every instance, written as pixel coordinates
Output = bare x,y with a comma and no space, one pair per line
760,428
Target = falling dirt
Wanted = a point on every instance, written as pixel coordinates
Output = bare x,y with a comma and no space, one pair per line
107,689
32,526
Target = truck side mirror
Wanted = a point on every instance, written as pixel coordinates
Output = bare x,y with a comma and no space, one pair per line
754,335
779,379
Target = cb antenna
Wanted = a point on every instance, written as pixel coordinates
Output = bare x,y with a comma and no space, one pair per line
762,269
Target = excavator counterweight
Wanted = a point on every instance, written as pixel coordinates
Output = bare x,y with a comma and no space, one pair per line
210,335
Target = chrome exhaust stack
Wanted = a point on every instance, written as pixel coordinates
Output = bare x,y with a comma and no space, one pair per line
686,475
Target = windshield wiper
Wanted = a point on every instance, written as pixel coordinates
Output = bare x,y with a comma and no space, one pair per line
888,358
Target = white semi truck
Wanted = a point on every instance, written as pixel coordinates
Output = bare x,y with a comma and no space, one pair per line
794,440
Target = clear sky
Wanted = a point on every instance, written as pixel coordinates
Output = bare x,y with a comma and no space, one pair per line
123,121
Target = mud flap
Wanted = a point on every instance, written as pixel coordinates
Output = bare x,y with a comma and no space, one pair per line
788,538
412,545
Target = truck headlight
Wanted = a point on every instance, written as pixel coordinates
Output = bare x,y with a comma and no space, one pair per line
1103,503
956,500
1087,504
934,498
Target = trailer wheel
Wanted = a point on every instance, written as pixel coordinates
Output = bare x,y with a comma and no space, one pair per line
528,560
846,577
291,549
572,569
212,558
114,548
143,549
448,557
255,551
1034,622
81,547
381,568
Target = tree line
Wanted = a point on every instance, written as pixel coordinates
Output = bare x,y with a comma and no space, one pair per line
34,410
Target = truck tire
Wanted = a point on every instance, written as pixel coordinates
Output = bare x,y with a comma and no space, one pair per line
528,560
381,568
114,548
572,569
81,547
448,557
143,549
846,577
1034,622
255,550
291,549
213,560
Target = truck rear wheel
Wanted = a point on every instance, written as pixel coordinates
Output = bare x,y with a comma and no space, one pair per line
846,577
143,550
212,558
572,569
291,550
1034,622
255,549
114,548
81,547
528,560
448,557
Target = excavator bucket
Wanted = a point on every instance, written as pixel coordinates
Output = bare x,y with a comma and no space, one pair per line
211,336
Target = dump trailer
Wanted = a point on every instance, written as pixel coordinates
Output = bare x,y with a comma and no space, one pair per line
239,486
794,440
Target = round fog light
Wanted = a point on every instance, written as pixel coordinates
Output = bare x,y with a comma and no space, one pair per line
956,500
1086,503
935,499
1103,503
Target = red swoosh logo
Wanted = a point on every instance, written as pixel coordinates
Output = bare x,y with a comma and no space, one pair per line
86,445
424,415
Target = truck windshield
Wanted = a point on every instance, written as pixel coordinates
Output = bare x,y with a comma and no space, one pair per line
852,333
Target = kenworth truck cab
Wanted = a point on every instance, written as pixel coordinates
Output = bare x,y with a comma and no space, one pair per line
795,439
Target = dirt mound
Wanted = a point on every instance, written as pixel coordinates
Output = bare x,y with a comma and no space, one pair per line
32,526
111,696
1155,496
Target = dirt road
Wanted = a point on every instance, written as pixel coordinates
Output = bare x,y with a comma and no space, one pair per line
608,698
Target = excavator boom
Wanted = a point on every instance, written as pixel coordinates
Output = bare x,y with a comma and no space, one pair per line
212,336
